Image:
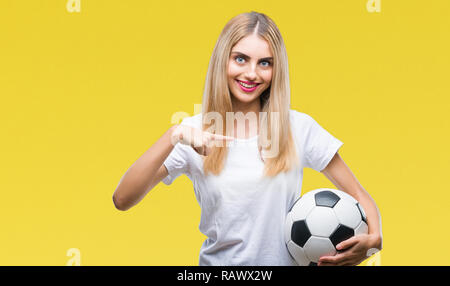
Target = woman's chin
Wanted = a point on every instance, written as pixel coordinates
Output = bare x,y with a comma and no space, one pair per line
245,97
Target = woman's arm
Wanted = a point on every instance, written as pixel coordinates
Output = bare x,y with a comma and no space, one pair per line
149,169
342,177
144,174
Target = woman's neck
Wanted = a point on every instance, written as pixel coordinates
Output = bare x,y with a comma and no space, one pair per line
245,107
249,126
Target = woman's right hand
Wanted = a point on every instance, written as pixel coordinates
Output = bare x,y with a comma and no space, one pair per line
201,141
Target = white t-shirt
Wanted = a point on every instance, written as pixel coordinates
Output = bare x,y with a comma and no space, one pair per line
242,212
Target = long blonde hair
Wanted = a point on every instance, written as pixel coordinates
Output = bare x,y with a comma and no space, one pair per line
274,100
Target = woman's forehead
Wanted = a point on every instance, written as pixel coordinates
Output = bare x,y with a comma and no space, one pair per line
253,46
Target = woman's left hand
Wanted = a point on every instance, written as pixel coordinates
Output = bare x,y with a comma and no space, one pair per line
353,251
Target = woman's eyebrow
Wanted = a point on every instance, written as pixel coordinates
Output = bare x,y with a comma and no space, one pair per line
247,57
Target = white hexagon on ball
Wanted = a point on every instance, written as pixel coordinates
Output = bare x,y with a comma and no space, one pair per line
298,253
301,210
317,247
347,213
362,228
322,221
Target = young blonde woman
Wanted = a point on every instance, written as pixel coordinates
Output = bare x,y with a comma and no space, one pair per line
244,185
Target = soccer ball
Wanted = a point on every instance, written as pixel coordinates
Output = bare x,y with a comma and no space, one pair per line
320,220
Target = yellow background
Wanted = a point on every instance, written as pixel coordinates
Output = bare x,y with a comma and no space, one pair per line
83,95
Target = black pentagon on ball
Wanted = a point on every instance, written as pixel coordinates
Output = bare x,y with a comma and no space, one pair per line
326,199
300,233
361,211
340,234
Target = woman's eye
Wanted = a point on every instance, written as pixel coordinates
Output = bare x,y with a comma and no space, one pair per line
268,63
237,59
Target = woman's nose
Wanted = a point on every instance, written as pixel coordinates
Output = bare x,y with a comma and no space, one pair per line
250,74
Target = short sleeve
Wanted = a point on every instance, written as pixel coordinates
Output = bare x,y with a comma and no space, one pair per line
178,161
320,146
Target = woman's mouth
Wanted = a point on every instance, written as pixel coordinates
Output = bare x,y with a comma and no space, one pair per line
247,87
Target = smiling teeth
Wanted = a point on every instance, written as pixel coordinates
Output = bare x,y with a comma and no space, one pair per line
247,85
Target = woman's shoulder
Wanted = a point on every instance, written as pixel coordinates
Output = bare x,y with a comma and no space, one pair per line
299,118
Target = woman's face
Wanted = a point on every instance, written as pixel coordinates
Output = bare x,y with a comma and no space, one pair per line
251,63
